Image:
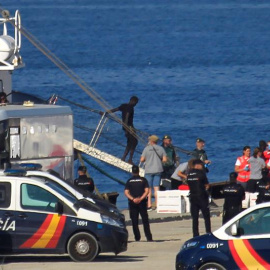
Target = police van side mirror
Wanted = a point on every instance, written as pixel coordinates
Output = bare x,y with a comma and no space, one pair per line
234,230
59,208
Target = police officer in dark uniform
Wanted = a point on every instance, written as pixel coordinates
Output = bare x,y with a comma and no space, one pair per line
137,190
263,187
199,199
234,194
83,181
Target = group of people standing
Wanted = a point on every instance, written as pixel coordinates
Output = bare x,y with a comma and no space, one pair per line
253,170
250,182
160,159
250,175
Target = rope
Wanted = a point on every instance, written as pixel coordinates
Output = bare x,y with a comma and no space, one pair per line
79,105
103,172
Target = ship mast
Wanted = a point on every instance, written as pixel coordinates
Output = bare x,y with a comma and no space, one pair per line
10,58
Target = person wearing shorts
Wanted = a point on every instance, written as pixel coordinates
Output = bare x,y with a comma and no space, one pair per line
153,156
256,166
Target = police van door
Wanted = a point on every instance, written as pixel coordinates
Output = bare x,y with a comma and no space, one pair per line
252,249
7,217
38,225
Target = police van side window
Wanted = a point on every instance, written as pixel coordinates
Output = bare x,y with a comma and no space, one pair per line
37,198
256,222
5,195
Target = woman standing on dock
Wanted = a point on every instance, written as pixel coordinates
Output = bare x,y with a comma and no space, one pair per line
256,166
242,167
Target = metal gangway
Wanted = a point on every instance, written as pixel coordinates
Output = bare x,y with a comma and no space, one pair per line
91,150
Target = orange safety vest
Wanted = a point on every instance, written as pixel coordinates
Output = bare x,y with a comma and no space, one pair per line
244,175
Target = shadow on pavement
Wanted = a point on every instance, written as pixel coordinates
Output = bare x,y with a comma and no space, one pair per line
156,240
66,258
119,258
34,258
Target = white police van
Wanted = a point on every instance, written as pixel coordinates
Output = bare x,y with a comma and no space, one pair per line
241,243
32,170
38,216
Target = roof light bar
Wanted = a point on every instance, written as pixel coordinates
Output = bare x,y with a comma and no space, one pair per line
31,166
13,172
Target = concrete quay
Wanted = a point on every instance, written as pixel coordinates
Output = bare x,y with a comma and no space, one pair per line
169,231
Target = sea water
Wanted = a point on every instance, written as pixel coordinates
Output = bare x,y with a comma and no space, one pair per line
200,69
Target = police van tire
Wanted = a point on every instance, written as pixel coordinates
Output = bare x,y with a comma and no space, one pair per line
212,266
82,247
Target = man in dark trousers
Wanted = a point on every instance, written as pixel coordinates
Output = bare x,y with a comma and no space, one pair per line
136,190
127,110
83,181
263,187
169,165
234,194
199,200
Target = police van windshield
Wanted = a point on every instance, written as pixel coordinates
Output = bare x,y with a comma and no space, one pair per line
62,191
56,186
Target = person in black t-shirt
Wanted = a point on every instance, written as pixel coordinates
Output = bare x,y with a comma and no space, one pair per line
198,185
127,110
234,194
137,190
83,181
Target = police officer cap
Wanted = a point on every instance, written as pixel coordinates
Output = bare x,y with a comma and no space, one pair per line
200,140
82,169
167,137
233,176
197,162
135,169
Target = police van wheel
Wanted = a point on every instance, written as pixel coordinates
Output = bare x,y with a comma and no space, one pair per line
82,247
212,266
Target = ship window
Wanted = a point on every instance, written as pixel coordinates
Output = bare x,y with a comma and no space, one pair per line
15,145
32,130
53,128
24,130
4,143
14,130
3,136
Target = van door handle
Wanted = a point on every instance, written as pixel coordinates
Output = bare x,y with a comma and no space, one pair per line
23,216
8,214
